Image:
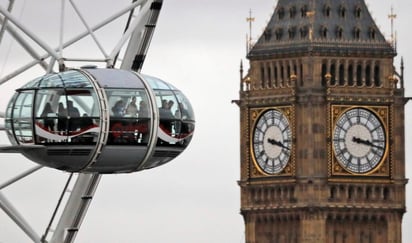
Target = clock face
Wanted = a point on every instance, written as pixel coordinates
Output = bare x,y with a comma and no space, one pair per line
272,141
359,140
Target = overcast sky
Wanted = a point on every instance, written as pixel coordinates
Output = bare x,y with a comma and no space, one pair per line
197,46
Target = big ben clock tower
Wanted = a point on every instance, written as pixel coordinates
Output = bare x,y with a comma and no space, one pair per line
322,128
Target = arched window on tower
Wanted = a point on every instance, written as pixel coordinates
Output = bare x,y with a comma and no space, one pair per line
342,11
269,74
333,193
276,75
359,75
304,11
368,75
377,76
267,34
350,75
301,74
358,11
368,193
357,33
326,11
292,32
262,75
282,75
281,13
341,74
386,194
333,74
324,72
279,33
295,69
351,192
303,32
339,32
292,12
372,33
288,73
323,32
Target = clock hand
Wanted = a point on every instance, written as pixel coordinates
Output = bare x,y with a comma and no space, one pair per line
366,142
277,143
358,140
373,145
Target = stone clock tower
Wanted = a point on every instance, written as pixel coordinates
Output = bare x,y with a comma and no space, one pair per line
322,128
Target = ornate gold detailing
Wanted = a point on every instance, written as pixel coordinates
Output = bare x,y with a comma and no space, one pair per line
328,77
336,168
293,77
289,169
246,84
393,80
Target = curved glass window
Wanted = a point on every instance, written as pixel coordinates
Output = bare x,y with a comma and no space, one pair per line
185,125
69,79
167,105
129,117
34,83
66,116
176,117
22,118
55,109
115,78
157,83
8,120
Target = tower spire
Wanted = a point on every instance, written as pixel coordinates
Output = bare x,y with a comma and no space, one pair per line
402,73
250,20
311,15
392,16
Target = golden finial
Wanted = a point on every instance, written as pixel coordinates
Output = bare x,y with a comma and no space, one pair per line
293,77
328,77
311,15
247,82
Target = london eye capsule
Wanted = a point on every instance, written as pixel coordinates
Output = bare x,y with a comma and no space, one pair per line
99,120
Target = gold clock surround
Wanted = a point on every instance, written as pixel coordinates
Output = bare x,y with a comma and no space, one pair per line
382,169
255,114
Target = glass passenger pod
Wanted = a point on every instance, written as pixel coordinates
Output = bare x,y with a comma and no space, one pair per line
177,121
70,113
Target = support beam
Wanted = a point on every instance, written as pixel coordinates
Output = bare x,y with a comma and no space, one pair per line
21,176
18,219
76,208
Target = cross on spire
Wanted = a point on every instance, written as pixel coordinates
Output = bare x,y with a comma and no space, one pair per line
311,15
392,16
250,19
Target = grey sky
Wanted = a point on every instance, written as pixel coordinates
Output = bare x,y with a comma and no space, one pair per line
197,46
